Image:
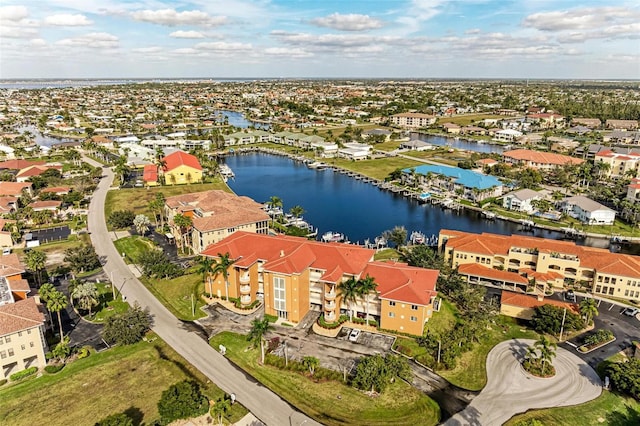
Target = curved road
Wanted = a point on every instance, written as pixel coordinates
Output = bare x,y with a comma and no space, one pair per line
510,390
264,404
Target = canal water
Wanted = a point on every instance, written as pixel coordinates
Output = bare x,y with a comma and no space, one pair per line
338,203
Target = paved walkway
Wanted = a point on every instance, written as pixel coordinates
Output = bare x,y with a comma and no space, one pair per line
510,390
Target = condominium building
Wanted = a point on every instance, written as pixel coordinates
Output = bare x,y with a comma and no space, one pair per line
517,262
412,120
294,276
620,164
214,216
538,160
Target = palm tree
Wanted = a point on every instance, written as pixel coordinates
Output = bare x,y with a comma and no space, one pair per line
87,295
56,302
121,169
183,223
45,292
259,328
588,309
206,269
547,350
221,407
366,286
296,211
141,223
273,203
348,291
222,267
36,261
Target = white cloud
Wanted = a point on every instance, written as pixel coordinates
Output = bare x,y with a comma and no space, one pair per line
67,20
224,47
171,18
580,19
151,49
17,32
15,23
187,34
419,11
349,22
92,40
287,52
13,13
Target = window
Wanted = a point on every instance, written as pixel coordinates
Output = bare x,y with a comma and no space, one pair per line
23,347
3,354
392,315
611,290
32,344
279,295
10,351
414,307
598,289
7,339
19,333
392,303
414,319
29,331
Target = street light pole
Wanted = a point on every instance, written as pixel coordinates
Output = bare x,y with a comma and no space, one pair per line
564,315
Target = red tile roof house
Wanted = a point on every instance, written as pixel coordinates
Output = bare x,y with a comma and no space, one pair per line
19,164
51,205
538,160
31,171
181,168
523,306
150,175
58,190
15,188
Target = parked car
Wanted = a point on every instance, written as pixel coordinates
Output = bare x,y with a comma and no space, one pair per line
353,336
570,296
631,312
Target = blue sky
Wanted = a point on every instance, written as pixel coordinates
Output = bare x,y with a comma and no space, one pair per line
304,38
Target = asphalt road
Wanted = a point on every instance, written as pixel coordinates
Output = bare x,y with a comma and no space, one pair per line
510,390
264,404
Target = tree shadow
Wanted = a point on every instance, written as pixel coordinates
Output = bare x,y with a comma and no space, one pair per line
623,418
518,349
178,364
589,373
135,414
470,416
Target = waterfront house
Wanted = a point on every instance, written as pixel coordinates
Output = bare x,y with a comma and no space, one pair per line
416,145
293,275
326,149
588,211
215,215
355,151
620,164
413,120
181,168
471,185
452,128
507,135
504,260
538,160
521,200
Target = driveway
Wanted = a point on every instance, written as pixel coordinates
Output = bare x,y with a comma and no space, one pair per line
510,390
80,332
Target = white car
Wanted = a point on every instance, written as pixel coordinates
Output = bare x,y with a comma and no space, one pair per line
353,336
631,312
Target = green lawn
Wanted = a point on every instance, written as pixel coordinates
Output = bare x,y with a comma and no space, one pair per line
471,369
609,408
386,254
333,403
107,306
465,120
176,294
137,199
378,168
122,378
133,247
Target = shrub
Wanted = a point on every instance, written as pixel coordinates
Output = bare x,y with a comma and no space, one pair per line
3,381
182,400
54,368
127,328
271,318
331,325
84,352
119,419
24,373
598,337
121,219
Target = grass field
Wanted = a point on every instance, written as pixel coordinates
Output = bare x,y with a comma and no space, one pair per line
137,199
378,168
133,247
465,120
333,403
608,409
107,306
176,294
128,378
387,254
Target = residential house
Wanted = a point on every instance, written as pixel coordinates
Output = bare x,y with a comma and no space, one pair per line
377,132
8,204
506,259
57,190
538,160
215,215
620,165
326,149
15,189
588,211
507,135
452,128
412,120
622,137
546,120
48,205
471,185
28,172
633,190
355,151
416,145
181,168
150,175
522,306
521,200
621,124
486,162
19,164
5,234
294,275
590,123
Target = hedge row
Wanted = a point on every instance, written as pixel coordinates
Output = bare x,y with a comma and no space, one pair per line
24,373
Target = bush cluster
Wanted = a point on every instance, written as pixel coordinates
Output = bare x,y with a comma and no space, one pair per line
332,325
298,367
598,337
54,368
24,373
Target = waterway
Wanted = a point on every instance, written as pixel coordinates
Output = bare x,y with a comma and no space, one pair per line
238,119
338,203
460,143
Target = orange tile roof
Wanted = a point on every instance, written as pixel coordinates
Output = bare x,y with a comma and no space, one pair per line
21,285
13,188
20,164
10,265
57,189
150,173
493,274
526,301
180,158
403,283
22,315
541,157
45,204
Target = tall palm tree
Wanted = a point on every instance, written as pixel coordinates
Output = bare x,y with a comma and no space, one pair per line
206,269
87,295
589,309
45,292
275,202
222,268
36,261
348,291
183,223
296,211
56,302
259,328
221,407
366,286
547,350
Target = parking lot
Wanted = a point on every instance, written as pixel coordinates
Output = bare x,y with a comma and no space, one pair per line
372,340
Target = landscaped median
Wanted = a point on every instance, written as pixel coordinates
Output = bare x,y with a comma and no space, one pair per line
328,401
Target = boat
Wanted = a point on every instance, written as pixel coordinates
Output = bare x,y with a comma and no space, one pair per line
447,203
527,223
226,172
417,237
333,237
488,215
317,165
380,241
424,196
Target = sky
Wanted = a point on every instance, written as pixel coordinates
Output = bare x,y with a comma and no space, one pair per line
550,39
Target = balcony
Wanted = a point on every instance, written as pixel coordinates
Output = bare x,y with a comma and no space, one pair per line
330,305
329,317
245,289
244,279
245,299
330,296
